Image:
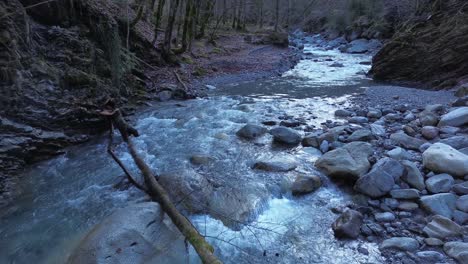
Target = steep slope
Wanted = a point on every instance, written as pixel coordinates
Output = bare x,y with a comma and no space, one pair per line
431,50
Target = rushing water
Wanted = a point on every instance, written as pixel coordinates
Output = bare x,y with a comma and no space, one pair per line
62,198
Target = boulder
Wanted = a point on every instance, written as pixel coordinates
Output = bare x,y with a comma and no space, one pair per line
430,132
408,206
441,204
200,159
251,131
399,154
306,184
456,142
361,135
442,228
287,136
189,187
348,225
276,165
384,217
405,194
343,113
358,120
348,161
406,141
311,141
442,158
461,188
413,176
138,233
381,179
440,183
377,130
462,203
456,118
460,217
430,256
457,250
400,243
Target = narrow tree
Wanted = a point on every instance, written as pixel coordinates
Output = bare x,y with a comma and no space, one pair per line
157,19
167,53
276,15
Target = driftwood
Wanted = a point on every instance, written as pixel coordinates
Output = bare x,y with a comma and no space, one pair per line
159,194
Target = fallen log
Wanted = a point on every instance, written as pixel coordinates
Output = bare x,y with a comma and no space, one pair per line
158,194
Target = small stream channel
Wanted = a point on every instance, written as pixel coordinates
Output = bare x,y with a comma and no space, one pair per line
62,198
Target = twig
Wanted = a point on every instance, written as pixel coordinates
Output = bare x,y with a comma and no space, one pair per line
180,80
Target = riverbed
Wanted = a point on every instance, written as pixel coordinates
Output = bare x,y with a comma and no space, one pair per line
61,199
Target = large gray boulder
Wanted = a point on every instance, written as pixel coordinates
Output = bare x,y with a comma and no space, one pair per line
361,135
441,203
413,176
400,243
287,136
440,183
442,158
406,141
276,165
442,228
349,161
192,189
457,250
251,131
456,142
136,234
456,118
348,225
305,184
381,179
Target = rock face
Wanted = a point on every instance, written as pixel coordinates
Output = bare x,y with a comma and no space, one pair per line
380,180
348,225
286,136
445,159
437,54
251,131
442,228
139,233
349,161
400,243
457,117
441,204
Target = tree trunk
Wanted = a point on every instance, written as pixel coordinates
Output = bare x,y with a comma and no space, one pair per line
277,16
158,16
186,35
167,53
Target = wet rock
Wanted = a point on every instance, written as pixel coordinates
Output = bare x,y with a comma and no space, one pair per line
406,141
457,142
462,203
348,224
449,130
442,228
276,165
286,136
413,176
399,154
306,184
430,256
442,158
456,118
343,113
324,146
350,161
384,217
135,234
251,131
337,65
358,120
374,113
400,243
189,187
428,118
361,135
460,217
164,96
405,194
311,141
457,250
430,132
381,179
200,159
440,183
441,204
461,188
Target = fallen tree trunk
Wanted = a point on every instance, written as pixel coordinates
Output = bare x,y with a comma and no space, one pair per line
159,194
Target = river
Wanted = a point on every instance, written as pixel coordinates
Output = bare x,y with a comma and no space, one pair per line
60,199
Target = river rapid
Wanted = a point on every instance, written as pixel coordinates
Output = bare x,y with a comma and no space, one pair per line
61,199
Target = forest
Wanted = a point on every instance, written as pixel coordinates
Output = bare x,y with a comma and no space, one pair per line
233,131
